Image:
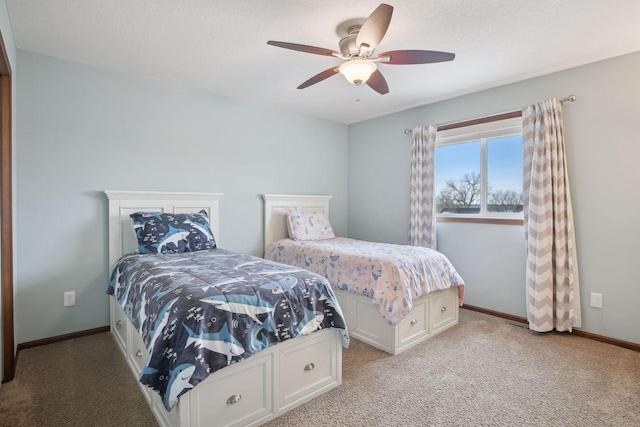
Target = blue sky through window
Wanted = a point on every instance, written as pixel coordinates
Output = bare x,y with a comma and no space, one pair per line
454,161
504,163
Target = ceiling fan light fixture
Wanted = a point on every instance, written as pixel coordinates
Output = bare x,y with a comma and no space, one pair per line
357,71
357,47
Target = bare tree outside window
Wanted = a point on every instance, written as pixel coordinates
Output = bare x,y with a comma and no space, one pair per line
505,201
478,170
461,196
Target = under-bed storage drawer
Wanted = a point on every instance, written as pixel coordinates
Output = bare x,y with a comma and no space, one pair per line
415,325
119,326
137,351
308,367
443,309
234,396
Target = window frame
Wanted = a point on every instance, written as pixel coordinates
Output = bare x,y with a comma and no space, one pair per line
482,130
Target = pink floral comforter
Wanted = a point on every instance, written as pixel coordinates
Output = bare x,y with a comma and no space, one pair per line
392,275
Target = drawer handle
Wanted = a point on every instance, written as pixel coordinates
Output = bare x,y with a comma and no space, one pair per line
309,367
414,321
443,309
119,323
234,399
139,353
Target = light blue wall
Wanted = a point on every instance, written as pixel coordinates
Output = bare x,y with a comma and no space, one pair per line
601,131
83,130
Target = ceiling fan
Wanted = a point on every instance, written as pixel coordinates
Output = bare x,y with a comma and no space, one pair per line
356,49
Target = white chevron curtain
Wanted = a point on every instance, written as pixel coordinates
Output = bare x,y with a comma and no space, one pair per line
422,224
553,291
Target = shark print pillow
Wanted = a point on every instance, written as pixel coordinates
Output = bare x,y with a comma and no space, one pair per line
166,233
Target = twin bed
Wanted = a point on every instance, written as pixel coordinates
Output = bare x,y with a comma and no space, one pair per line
393,296
198,324
186,313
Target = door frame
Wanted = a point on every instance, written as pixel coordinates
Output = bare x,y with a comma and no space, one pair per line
6,216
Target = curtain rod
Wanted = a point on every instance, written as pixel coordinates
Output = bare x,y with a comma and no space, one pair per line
569,98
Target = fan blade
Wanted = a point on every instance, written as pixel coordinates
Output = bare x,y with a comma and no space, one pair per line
319,77
402,57
304,48
375,27
378,83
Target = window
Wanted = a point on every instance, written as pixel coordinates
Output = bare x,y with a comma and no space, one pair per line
478,171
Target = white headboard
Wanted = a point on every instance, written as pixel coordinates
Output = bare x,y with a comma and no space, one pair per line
276,205
122,239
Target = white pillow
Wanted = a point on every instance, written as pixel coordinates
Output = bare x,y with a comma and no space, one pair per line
309,226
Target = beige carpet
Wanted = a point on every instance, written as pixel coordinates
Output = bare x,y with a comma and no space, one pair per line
483,372
79,382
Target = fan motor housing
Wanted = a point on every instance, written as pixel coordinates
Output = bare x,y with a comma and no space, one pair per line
348,46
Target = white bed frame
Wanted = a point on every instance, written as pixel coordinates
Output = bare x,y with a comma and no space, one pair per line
430,315
248,393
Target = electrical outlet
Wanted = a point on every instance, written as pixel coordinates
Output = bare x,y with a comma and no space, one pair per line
596,300
69,298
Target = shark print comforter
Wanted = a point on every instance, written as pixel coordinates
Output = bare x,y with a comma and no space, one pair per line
391,275
199,312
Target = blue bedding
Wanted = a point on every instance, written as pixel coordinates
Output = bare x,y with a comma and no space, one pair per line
198,312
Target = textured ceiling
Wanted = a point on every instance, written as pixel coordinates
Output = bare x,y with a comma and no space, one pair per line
220,46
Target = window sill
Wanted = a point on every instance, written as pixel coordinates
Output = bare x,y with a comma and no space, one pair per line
481,220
